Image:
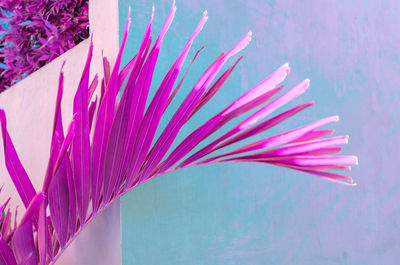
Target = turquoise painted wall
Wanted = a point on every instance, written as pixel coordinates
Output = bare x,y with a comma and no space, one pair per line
257,214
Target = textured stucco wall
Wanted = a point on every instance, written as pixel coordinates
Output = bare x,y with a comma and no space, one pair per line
256,214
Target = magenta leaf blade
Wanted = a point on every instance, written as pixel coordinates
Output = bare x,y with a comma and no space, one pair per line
15,169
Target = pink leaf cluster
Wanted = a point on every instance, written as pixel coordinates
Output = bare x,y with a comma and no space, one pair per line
111,145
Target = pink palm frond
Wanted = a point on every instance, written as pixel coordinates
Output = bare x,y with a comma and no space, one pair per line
86,173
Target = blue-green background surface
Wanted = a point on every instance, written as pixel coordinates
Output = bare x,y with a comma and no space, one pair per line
258,214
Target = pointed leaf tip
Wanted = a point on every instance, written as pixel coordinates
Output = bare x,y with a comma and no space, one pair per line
128,19
286,68
33,208
239,46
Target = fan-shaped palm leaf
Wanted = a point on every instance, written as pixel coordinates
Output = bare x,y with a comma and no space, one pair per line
123,152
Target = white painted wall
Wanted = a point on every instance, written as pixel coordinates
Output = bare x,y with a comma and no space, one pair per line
29,107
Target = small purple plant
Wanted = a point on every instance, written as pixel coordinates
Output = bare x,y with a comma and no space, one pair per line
111,146
34,32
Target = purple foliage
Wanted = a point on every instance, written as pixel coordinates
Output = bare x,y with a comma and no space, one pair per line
34,32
